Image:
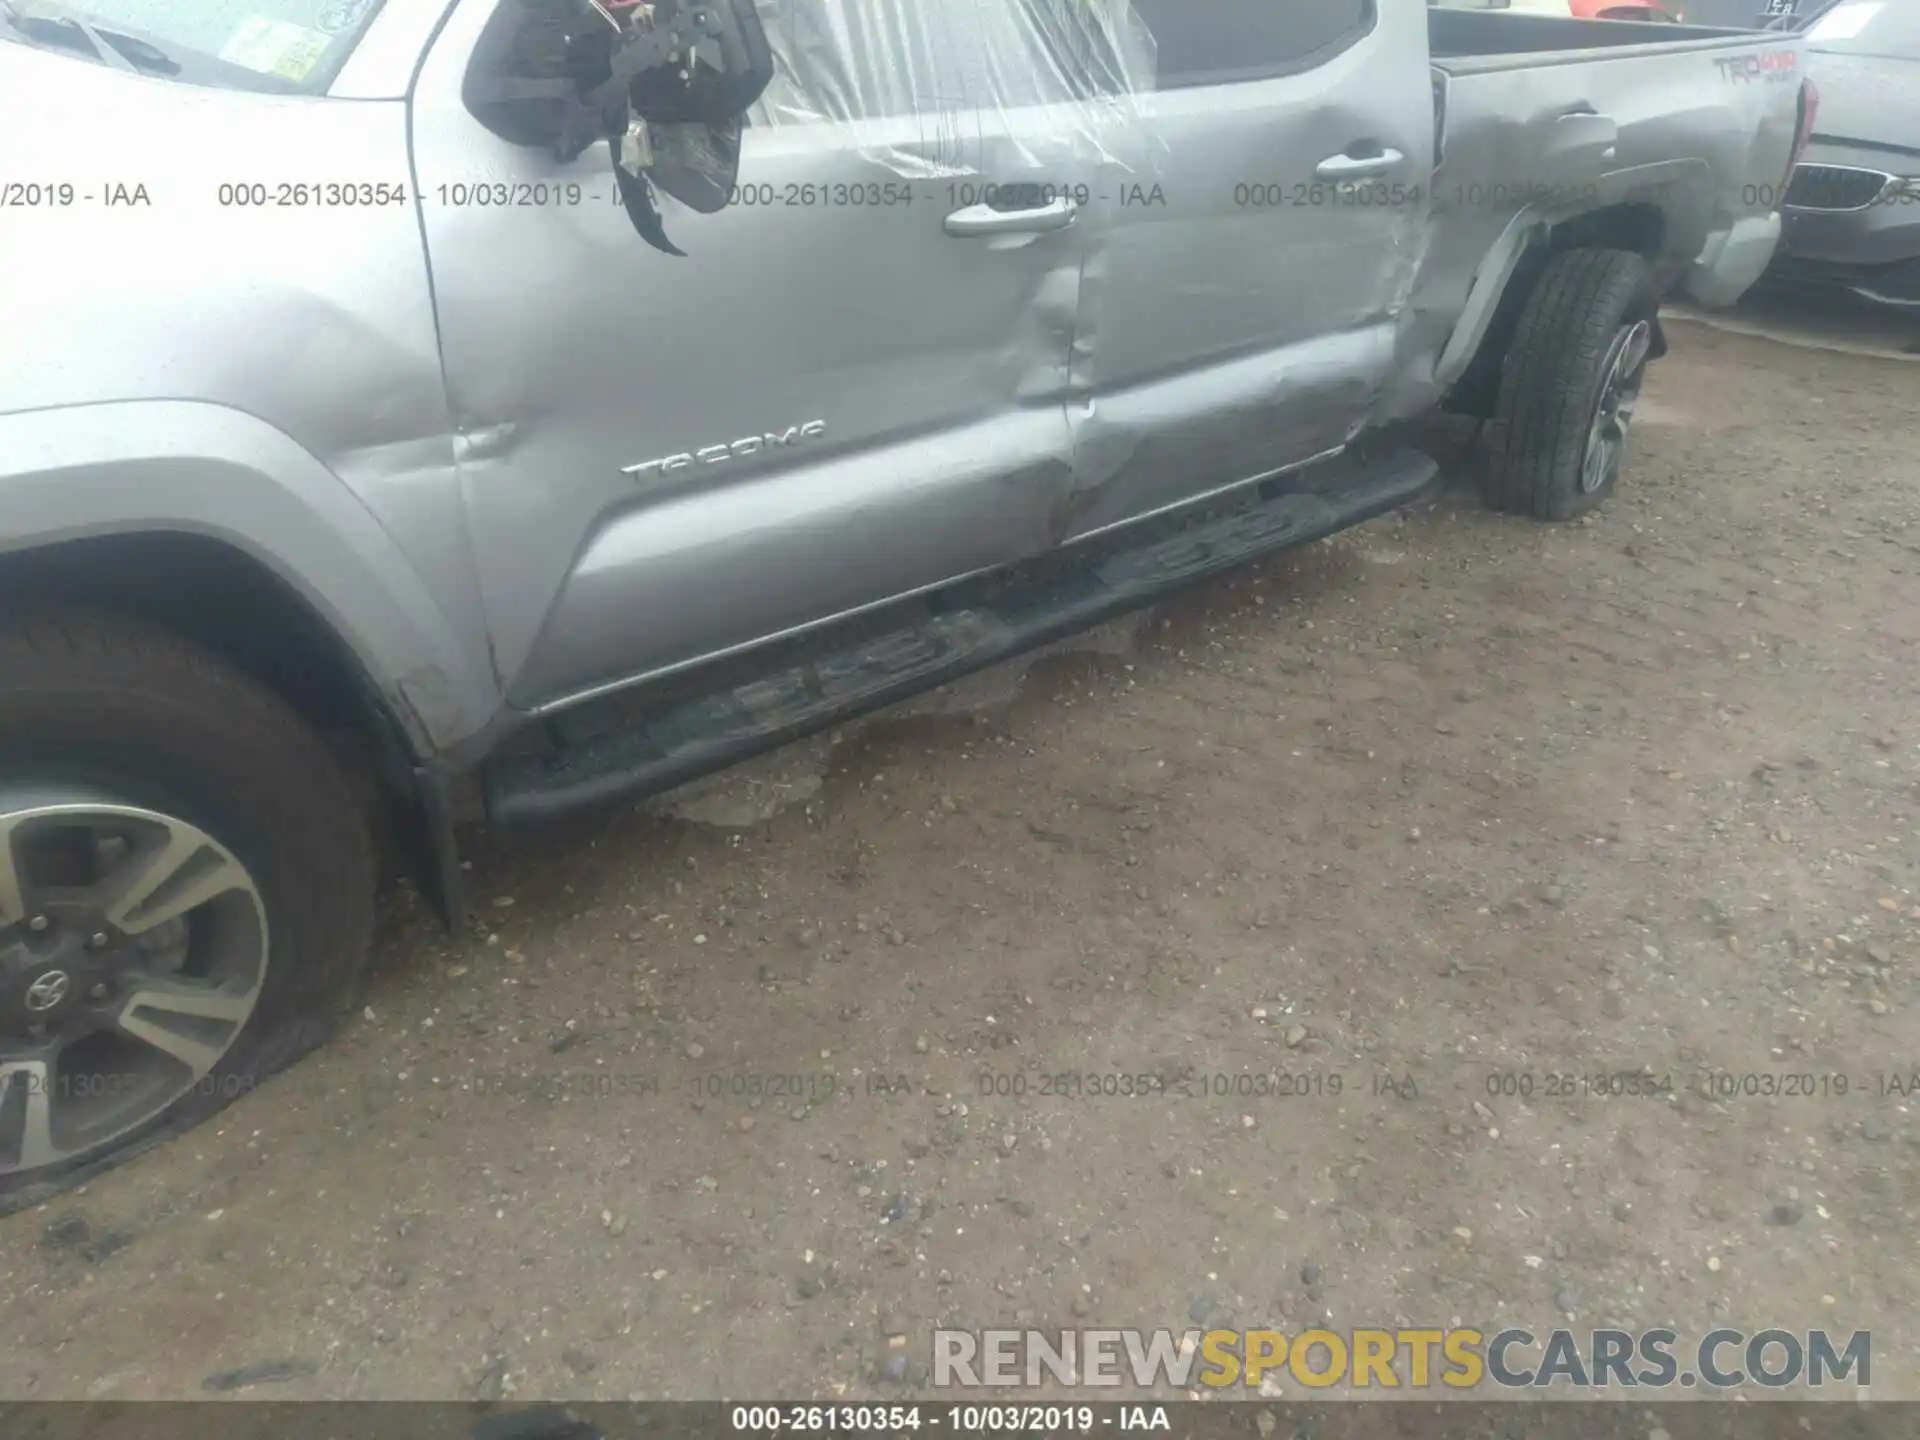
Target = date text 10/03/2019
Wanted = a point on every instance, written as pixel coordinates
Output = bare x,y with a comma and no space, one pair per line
777,1419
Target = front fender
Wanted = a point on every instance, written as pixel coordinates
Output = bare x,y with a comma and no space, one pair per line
118,468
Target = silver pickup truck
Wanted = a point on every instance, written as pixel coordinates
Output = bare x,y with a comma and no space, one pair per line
421,410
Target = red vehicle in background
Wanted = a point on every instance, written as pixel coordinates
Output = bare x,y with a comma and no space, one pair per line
1615,10
1642,10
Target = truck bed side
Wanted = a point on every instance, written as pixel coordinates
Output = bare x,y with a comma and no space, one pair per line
1673,141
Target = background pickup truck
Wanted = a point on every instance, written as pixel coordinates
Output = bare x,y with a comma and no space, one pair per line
347,431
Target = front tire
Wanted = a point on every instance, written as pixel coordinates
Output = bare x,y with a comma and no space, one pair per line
1570,383
186,892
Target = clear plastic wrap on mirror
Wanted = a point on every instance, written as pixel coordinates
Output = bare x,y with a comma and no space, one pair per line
921,83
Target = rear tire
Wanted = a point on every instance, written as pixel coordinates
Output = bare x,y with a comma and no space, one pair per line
1569,385
186,892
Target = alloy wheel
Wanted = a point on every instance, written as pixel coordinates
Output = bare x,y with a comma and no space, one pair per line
1625,368
133,952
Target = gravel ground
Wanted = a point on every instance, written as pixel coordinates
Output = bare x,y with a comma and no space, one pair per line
728,1091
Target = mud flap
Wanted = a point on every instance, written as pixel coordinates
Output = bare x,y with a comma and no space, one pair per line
433,851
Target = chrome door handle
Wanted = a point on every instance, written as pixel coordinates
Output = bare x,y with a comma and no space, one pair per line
985,220
1358,167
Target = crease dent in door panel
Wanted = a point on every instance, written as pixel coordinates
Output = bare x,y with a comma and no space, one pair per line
1039,349
1400,296
1080,64
1407,246
1235,406
1208,419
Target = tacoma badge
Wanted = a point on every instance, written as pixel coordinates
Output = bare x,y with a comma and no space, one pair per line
737,450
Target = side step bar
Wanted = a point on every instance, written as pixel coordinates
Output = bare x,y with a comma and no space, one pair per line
950,636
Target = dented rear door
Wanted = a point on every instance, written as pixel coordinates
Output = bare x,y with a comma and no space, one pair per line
1247,269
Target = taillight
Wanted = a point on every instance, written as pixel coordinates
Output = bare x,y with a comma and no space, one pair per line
1803,131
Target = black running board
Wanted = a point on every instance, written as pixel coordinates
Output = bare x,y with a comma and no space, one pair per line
949,637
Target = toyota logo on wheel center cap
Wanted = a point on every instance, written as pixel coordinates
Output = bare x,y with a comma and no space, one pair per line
49,990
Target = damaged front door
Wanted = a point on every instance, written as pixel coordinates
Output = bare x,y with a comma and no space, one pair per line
1241,311
850,388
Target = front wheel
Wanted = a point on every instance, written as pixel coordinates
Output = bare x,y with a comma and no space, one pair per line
1570,383
186,888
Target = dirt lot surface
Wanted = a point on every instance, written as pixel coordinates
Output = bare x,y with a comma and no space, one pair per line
721,1097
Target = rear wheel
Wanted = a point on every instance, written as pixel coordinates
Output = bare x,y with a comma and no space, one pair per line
1570,383
185,892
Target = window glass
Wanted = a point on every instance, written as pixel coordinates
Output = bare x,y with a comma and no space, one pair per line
1216,42
854,60
293,45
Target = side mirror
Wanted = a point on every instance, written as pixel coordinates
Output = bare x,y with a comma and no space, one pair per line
667,82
